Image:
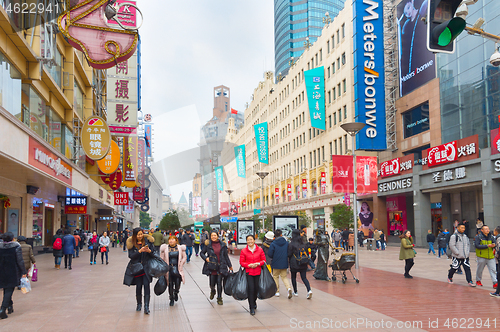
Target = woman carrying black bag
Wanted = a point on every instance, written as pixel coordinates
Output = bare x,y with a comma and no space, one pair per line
175,256
217,262
297,249
140,249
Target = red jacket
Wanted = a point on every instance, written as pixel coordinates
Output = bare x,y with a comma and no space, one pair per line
247,257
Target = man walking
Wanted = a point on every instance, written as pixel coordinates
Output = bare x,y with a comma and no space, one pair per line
278,252
68,248
460,250
188,240
337,237
376,237
484,243
158,236
430,241
204,237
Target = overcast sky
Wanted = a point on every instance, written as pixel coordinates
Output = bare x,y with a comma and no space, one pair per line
188,48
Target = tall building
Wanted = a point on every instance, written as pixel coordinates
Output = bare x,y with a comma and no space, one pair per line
294,21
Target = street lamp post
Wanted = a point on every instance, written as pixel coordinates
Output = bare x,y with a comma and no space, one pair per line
262,175
352,128
229,192
307,44
327,19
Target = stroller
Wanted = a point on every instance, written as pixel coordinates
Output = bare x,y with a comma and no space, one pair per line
342,263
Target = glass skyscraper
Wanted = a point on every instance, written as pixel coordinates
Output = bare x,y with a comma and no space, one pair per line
294,21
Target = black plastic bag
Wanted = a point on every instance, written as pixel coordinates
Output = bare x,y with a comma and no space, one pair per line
228,286
135,268
161,285
239,291
267,287
156,267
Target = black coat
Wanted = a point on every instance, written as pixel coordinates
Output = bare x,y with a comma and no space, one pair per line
224,262
12,264
57,253
293,249
431,238
442,240
137,257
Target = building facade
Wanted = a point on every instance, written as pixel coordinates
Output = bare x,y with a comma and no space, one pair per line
294,21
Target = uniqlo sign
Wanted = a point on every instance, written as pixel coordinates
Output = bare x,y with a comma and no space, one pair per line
442,154
121,198
389,168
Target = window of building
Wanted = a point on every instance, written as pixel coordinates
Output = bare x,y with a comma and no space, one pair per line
323,152
333,67
316,56
338,63
10,89
340,115
343,58
333,42
416,120
345,141
335,118
310,158
321,55
334,94
78,100
310,134
329,97
345,112
35,112
314,154
330,121
328,72
338,88
340,145
55,131
344,85
335,143
328,46
331,148
343,30
338,36
314,188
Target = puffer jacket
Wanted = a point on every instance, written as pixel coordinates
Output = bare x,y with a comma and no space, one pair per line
11,261
28,256
459,245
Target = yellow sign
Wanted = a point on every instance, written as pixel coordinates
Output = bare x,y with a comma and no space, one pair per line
95,138
111,162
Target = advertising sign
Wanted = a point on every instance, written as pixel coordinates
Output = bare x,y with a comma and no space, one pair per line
139,194
96,138
129,208
366,174
239,157
369,73
289,191
127,15
130,161
461,150
49,163
286,223
304,188
196,205
342,174
110,163
495,141
442,154
75,205
277,195
323,183
233,209
262,140
315,88
397,166
141,162
416,62
243,229
121,198
224,209
147,134
219,177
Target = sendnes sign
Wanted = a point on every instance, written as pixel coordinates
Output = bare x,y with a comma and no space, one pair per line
369,90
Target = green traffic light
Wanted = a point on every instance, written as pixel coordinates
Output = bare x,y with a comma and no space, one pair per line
448,31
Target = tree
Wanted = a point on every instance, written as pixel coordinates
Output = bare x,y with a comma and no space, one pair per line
304,219
342,217
184,217
144,220
170,221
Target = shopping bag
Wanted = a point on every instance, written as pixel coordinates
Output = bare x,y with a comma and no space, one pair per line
25,285
34,276
239,290
156,267
267,286
161,285
103,249
228,286
30,272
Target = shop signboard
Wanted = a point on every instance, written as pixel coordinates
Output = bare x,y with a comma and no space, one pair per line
147,135
369,73
130,161
127,15
262,140
244,202
497,165
129,208
315,88
395,185
233,209
323,183
460,150
48,162
141,162
110,163
121,198
495,141
75,205
139,194
397,166
96,138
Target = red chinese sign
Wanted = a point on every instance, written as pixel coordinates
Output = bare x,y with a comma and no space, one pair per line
323,183
397,166
289,191
461,150
69,209
244,202
139,194
121,198
304,188
366,174
342,174
141,162
495,141
130,161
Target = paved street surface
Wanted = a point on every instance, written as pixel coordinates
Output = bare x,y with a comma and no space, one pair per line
93,298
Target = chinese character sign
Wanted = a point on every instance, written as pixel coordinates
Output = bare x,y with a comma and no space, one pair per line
130,161
442,154
315,87
219,178
262,140
495,141
304,188
289,191
323,183
239,156
141,162
110,163
96,138
389,168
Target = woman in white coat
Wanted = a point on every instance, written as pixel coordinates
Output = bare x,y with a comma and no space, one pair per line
175,256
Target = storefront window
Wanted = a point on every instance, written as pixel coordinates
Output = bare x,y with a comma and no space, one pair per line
10,88
55,69
78,100
35,114
37,222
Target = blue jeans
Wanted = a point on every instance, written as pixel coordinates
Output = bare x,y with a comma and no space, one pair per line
337,244
442,251
382,245
76,253
378,244
431,248
189,252
57,260
311,263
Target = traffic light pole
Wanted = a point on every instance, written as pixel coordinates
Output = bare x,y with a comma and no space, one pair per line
478,31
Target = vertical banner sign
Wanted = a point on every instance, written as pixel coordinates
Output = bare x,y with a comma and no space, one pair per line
141,162
239,156
304,188
366,168
343,181
315,87
147,135
277,195
129,161
262,140
96,138
289,191
323,183
129,208
366,174
219,178
347,199
369,74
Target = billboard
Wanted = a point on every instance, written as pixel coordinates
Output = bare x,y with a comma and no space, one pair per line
239,157
262,140
196,206
369,73
315,88
417,65
366,174
219,178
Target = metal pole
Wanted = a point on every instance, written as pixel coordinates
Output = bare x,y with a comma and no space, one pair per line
355,203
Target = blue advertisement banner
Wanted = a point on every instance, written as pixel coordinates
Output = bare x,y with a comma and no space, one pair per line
147,136
262,140
315,87
369,74
239,156
219,178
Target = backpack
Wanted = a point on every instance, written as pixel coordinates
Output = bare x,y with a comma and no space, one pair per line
302,257
57,244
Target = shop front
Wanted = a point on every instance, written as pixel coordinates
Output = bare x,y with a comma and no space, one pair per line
319,218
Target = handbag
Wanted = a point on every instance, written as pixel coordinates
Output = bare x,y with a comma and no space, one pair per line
34,276
103,249
211,265
266,286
